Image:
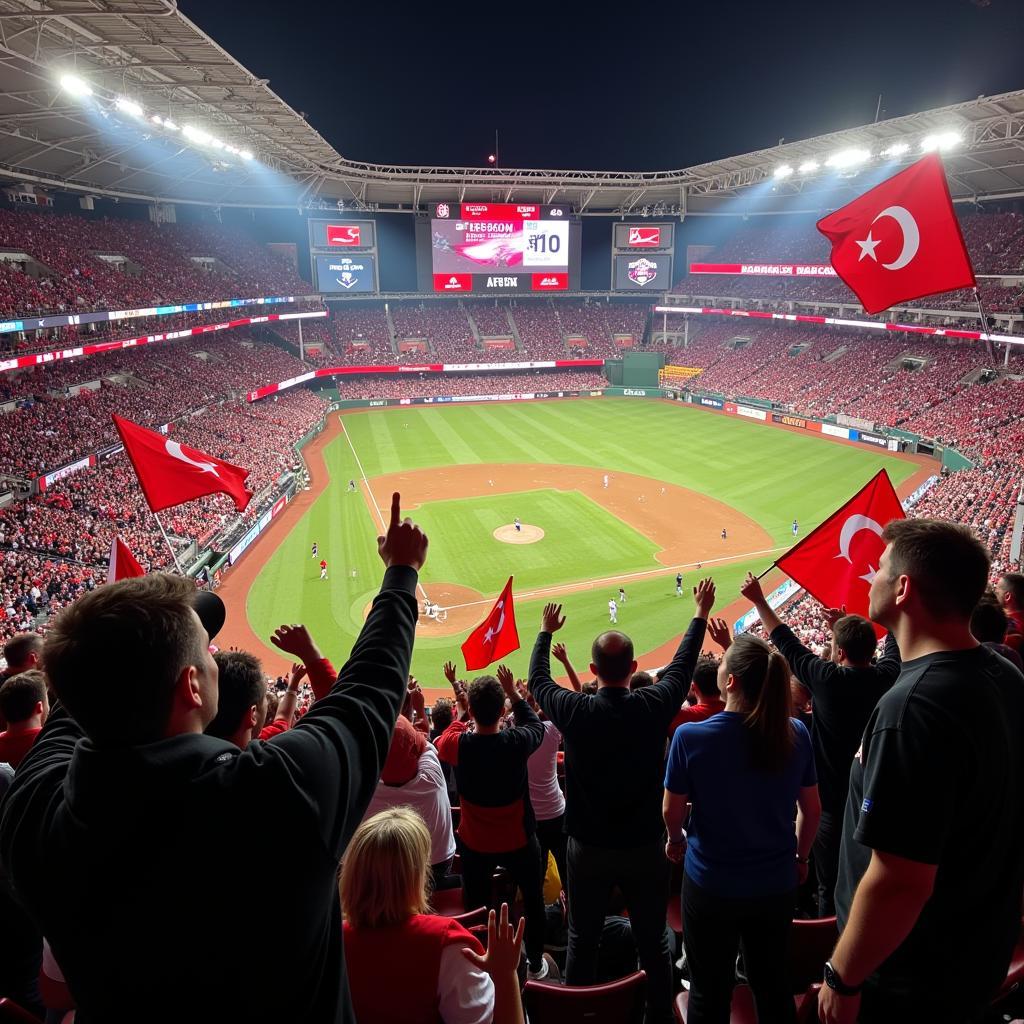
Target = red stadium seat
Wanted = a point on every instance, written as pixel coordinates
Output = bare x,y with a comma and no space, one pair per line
810,945
12,1013
448,903
472,918
618,1002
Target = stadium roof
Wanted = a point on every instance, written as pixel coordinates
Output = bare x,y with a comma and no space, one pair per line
147,51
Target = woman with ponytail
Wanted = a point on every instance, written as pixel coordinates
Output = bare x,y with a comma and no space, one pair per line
747,771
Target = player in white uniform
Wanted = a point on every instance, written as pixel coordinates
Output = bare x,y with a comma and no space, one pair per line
622,596
613,611
606,480
517,523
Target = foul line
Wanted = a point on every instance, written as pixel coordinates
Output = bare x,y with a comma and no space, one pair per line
373,499
566,588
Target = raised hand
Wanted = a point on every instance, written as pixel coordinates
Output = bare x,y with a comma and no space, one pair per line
833,615
504,946
552,619
704,597
404,543
558,653
416,698
296,641
718,630
449,672
751,589
508,682
298,673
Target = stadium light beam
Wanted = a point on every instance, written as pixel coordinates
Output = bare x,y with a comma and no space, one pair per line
940,141
197,135
783,171
75,85
128,106
847,158
170,126
808,167
246,154
896,149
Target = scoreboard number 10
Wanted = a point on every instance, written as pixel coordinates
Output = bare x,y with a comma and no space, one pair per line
546,243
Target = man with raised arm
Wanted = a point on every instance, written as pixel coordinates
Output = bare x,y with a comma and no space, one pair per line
845,689
129,834
615,764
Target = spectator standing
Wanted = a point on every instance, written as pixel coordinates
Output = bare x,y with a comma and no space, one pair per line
925,895
615,759
704,687
989,626
129,835
845,689
21,653
1010,592
497,823
744,770
24,707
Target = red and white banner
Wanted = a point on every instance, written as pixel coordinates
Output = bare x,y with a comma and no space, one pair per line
453,282
41,358
643,237
550,282
835,321
65,471
766,269
343,234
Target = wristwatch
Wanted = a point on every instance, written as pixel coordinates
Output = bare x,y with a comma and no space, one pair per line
836,983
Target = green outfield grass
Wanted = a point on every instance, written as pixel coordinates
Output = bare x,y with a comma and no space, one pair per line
772,476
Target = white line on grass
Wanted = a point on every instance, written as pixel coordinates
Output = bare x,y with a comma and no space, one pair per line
366,482
565,588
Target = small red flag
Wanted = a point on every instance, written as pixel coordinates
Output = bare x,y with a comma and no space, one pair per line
901,240
171,473
496,636
123,564
837,562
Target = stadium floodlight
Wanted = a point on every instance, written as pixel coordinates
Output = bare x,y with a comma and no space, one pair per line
128,106
783,171
157,119
847,158
808,167
896,149
75,85
940,141
169,125
245,154
197,135
216,143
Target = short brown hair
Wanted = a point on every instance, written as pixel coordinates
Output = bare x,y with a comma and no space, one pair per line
384,874
1014,583
947,563
240,685
855,635
20,695
20,647
486,700
115,655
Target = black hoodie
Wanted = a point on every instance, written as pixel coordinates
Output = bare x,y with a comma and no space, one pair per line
188,880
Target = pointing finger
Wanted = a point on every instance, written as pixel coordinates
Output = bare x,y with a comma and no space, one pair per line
396,506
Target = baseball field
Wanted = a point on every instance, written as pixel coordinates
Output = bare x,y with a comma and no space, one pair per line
677,477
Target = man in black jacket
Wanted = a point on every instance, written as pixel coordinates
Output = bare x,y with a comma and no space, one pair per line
614,767
129,835
845,691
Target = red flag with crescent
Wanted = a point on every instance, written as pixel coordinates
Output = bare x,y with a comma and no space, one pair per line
123,564
496,636
900,240
836,563
171,473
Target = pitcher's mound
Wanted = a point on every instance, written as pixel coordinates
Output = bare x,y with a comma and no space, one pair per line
527,535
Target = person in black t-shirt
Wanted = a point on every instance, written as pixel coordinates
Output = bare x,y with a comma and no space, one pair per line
932,865
845,691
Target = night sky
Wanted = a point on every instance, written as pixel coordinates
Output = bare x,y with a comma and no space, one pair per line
636,85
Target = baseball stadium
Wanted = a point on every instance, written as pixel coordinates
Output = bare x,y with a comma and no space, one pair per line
578,593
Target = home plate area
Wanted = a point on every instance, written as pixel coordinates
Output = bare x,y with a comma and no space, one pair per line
526,534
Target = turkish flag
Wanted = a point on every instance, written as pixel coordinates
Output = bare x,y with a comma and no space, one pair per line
901,240
496,636
123,564
171,473
837,562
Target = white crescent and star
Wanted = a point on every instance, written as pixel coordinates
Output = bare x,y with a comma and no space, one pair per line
493,631
853,525
911,238
174,450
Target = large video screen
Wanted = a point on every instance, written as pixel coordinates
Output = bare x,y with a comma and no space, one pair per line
345,273
500,247
650,273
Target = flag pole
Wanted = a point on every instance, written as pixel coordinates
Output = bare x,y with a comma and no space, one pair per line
768,570
167,541
984,323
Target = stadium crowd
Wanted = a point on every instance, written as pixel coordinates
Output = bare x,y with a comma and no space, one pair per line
438,385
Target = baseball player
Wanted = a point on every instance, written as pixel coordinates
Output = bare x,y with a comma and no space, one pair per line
517,524
679,584
323,568
725,536
315,550
606,481
796,528
351,485
613,611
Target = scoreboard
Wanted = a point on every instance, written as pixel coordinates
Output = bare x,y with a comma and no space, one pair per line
343,253
642,257
489,248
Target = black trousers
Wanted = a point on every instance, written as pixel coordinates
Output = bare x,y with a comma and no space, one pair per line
552,839
641,873
523,865
714,929
826,860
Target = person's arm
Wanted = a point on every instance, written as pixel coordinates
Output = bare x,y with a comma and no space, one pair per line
501,962
296,641
808,814
559,653
890,663
556,701
888,901
328,765
447,744
751,590
289,702
419,707
458,689
671,689
675,803
812,671
528,731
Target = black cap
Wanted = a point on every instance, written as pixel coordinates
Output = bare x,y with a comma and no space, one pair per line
211,611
